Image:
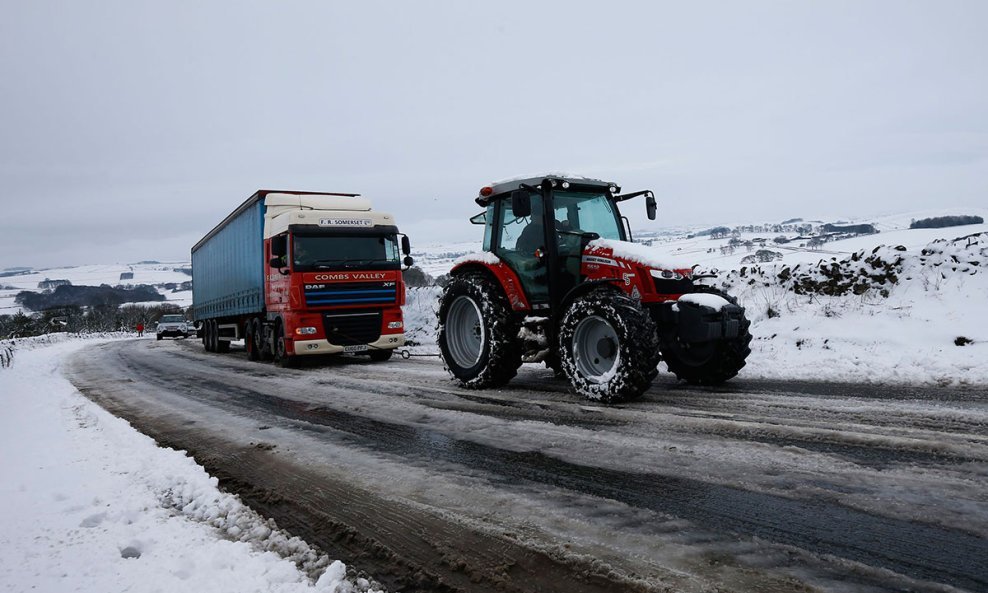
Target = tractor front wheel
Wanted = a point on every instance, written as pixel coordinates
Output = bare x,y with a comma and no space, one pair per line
608,346
478,332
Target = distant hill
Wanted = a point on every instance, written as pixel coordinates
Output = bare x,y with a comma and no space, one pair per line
67,295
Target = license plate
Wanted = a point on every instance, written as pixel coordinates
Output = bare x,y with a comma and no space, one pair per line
357,348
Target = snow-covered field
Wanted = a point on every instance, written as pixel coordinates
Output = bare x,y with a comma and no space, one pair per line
154,274
90,504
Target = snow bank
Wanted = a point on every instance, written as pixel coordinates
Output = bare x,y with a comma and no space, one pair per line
421,312
88,503
882,315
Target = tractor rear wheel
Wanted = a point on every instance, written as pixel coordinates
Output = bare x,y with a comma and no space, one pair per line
478,332
708,363
608,346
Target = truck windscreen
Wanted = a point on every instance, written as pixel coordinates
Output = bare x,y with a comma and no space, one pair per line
352,252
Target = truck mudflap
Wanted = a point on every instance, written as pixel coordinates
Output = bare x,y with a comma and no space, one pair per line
694,321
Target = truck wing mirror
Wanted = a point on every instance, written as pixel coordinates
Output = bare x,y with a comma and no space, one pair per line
406,245
650,206
277,262
408,261
521,204
279,246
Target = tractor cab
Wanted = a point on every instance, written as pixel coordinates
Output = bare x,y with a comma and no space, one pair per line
521,216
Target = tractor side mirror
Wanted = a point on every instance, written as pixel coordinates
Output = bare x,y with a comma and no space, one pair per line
406,245
650,206
521,204
408,261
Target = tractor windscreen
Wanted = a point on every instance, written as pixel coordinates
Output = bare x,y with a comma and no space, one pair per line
588,213
353,252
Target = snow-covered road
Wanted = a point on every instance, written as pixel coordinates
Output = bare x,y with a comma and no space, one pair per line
756,486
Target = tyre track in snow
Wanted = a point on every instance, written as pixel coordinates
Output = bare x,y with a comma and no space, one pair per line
927,552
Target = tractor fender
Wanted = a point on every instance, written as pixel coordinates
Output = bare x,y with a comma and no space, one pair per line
501,274
584,288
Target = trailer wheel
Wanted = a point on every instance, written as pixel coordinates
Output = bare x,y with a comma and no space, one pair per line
478,332
708,363
250,340
381,355
281,355
608,346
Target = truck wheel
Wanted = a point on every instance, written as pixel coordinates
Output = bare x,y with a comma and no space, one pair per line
281,355
265,349
708,363
608,346
381,355
250,340
209,336
478,332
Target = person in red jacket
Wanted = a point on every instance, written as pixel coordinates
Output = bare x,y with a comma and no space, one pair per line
140,329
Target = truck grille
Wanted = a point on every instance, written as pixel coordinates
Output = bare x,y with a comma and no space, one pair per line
351,293
348,329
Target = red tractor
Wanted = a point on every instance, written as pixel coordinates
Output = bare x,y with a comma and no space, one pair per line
589,303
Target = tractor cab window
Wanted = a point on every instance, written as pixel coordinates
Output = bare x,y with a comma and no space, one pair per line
588,213
518,240
521,236
488,216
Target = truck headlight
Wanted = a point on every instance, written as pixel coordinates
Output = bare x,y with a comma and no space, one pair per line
394,325
305,331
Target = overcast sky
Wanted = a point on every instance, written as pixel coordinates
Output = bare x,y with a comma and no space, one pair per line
128,129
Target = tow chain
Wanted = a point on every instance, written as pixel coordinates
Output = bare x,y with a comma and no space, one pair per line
406,354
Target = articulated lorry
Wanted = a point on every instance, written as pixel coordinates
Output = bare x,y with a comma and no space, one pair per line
297,273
